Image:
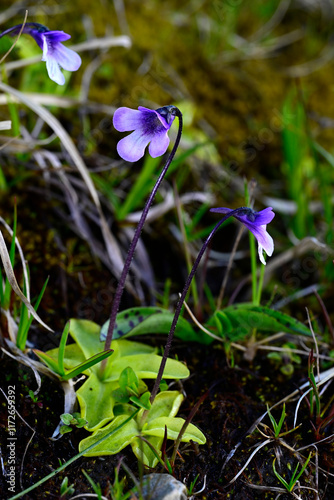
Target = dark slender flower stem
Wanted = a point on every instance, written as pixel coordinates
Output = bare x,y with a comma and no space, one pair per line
127,264
182,299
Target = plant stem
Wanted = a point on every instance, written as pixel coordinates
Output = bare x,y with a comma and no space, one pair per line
260,285
229,267
182,299
253,267
131,251
185,242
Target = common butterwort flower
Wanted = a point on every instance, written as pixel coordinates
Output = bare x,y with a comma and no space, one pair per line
149,127
55,54
256,222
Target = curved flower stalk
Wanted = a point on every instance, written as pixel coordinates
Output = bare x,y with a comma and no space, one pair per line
256,223
55,54
149,126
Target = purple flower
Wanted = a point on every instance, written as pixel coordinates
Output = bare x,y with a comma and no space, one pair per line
54,52
256,222
148,126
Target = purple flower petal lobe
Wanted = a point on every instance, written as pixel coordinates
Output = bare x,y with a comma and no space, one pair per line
148,126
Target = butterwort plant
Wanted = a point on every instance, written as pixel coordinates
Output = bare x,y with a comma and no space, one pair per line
148,128
55,54
256,222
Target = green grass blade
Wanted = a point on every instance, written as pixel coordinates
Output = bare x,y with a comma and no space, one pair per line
281,421
88,363
61,351
272,419
50,362
23,331
294,479
8,288
1,290
280,478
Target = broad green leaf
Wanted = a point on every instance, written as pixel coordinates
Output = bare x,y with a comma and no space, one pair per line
166,404
174,425
143,451
96,401
129,379
64,429
147,366
145,321
130,347
115,443
121,395
235,322
86,335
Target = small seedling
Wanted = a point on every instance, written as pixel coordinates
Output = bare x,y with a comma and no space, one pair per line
32,396
293,480
314,392
277,426
191,492
192,486
117,488
65,489
96,486
71,421
131,389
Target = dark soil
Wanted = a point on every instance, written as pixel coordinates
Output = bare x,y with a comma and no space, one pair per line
234,400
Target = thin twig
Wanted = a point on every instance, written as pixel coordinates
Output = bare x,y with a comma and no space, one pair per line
315,344
229,266
17,38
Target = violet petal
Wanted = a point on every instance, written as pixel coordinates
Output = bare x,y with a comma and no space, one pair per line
126,119
67,58
159,144
132,147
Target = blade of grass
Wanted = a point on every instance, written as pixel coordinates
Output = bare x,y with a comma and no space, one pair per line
23,329
88,364
61,351
11,277
8,289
